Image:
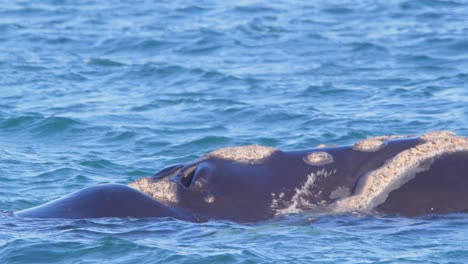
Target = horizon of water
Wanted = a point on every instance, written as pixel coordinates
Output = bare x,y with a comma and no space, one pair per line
111,91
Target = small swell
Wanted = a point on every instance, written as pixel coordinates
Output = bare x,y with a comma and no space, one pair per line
105,62
52,125
17,122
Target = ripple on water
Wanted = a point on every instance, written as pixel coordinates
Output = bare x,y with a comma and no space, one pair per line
55,125
20,122
134,46
105,62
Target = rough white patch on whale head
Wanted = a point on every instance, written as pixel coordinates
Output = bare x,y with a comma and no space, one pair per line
374,188
391,137
243,154
376,143
164,190
434,135
302,197
318,158
369,145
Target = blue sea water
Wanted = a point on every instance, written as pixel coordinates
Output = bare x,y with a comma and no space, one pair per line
111,91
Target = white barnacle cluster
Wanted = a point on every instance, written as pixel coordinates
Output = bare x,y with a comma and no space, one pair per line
369,145
375,144
243,154
435,135
162,190
318,158
376,186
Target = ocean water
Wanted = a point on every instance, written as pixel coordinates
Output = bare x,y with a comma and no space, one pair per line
111,91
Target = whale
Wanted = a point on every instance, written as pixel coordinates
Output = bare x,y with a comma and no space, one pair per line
383,175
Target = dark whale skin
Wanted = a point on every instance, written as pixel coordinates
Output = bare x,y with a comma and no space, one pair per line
106,200
214,188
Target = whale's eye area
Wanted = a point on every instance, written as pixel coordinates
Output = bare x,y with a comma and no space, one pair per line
193,175
188,176
167,172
